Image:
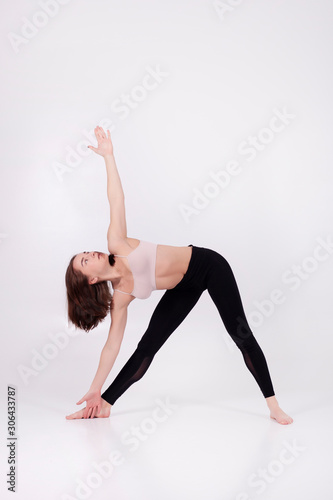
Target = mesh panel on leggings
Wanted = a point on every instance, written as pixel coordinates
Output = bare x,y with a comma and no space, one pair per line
208,270
134,369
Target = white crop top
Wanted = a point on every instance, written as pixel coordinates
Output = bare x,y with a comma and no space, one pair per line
142,262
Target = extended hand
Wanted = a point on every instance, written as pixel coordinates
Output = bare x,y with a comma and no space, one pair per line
105,146
94,402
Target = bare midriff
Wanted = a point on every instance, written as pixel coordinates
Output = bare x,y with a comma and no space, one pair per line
171,265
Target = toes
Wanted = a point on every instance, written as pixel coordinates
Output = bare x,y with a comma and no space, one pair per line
287,421
75,415
80,414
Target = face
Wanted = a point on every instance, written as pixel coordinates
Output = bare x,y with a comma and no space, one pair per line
91,264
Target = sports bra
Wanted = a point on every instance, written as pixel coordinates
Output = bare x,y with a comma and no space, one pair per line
142,262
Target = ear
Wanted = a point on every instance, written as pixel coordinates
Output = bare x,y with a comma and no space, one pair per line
93,281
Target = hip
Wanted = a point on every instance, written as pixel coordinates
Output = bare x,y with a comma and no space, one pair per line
202,263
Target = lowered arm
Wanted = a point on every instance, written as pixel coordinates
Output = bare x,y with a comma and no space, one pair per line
111,348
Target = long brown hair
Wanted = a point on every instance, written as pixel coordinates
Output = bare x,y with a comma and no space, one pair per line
88,304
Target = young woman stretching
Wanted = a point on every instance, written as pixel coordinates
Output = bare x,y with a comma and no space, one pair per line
136,268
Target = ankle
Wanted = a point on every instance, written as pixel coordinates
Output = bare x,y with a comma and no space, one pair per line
105,404
272,402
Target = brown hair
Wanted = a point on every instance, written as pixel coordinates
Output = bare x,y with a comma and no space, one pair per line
88,304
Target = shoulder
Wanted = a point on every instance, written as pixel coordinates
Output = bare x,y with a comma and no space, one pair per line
122,246
120,301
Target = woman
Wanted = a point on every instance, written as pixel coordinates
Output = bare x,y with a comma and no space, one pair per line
136,268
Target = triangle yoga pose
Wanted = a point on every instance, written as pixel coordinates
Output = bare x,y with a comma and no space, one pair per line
135,269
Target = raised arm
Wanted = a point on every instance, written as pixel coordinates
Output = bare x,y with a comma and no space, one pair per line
117,228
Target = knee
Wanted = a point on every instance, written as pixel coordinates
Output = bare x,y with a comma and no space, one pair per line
242,335
248,344
145,350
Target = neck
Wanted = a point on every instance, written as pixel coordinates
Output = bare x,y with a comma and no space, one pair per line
113,274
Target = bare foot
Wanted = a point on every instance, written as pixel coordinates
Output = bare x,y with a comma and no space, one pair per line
276,413
103,413
280,416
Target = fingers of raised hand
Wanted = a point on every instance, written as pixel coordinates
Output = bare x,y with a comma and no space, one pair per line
100,134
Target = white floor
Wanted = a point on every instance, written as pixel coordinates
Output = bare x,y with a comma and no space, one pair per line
196,427
164,446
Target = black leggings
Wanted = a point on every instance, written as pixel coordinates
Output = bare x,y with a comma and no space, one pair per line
207,270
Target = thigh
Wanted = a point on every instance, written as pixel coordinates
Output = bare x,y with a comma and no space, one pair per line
169,313
223,289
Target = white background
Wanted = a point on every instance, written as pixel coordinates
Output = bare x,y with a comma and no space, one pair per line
225,71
